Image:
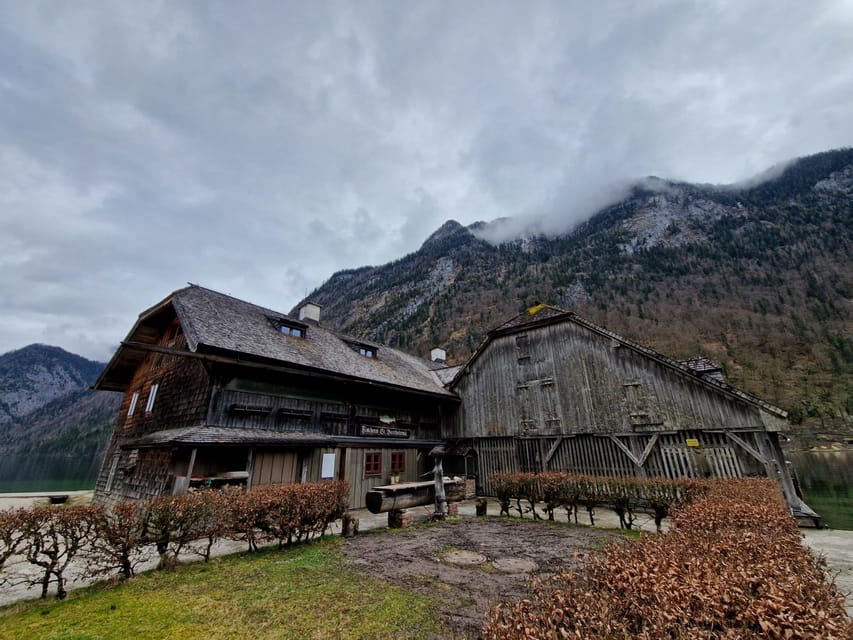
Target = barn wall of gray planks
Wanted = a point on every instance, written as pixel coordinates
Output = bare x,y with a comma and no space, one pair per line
565,396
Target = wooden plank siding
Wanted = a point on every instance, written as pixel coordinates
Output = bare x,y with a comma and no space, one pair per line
668,457
569,380
182,393
295,410
361,484
275,467
561,396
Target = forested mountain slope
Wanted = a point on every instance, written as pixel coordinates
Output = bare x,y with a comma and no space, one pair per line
51,424
757,277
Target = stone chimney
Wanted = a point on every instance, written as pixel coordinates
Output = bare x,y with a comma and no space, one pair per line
438,355
310,312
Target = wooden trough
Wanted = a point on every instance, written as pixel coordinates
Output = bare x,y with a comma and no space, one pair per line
394,497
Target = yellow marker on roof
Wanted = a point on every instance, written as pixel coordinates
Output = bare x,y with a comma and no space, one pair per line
534,310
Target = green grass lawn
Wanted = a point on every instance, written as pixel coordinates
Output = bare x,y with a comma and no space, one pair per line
301,593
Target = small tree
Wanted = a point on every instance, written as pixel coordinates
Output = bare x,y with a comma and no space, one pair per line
211,519
11,535
53,537
118,540
245,516
504,490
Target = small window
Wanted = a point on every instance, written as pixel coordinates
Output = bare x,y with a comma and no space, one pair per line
367,352
152,396
133,401
109,486
373,463
398,461
296,332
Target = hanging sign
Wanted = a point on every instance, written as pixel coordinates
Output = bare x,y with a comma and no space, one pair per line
383,432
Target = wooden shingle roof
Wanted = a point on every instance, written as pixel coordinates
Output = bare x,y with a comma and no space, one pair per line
216,323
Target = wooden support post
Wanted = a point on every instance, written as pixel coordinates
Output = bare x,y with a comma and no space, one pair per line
438,478
553,450
191,464
250,468
625,450
649,447
755,454
397,519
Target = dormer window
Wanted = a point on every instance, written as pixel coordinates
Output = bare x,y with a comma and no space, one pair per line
366,350
289,327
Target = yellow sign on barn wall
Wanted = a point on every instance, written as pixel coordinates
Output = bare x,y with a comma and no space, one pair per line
692,442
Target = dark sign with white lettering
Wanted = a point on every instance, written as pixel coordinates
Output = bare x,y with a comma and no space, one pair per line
383,432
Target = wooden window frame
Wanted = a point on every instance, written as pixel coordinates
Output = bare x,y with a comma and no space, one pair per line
372,464
398,462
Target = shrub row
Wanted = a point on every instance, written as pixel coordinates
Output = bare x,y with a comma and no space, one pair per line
732,566
117,540
570,491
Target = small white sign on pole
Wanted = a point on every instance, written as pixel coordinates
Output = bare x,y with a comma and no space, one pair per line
328,470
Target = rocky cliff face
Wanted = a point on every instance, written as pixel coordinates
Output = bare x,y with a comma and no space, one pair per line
35,375
758,277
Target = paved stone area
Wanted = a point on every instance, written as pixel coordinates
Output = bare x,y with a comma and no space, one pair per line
836,546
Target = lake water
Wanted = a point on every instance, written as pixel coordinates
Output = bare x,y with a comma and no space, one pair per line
826,478
48,472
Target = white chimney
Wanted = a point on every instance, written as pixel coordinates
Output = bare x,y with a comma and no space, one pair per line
310,312
438,355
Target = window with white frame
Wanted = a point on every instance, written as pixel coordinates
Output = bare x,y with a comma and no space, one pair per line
112,475
134,399
152,396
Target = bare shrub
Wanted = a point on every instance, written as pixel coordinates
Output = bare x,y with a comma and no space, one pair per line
732,566
118,539
52,538
11,535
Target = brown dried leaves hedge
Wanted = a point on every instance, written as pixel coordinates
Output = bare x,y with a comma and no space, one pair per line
116,540
732,566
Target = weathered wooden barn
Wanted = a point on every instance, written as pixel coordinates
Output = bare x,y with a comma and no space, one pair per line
549,390
220,391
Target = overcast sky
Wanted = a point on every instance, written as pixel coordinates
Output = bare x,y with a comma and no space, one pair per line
256,148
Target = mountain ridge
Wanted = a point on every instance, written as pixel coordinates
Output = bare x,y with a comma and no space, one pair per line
51,424
755,275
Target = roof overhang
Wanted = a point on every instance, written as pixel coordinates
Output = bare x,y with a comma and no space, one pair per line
147,329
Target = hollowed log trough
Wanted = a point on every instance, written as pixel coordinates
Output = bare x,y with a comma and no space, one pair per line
394,497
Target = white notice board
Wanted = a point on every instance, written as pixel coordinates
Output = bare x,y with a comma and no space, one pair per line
328,470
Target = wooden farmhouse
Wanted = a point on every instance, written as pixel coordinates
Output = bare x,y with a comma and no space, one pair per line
220,391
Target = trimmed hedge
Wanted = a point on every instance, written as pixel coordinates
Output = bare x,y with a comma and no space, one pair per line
732,566
570,491
117,540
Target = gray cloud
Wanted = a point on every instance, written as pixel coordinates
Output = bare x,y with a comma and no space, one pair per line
258,148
